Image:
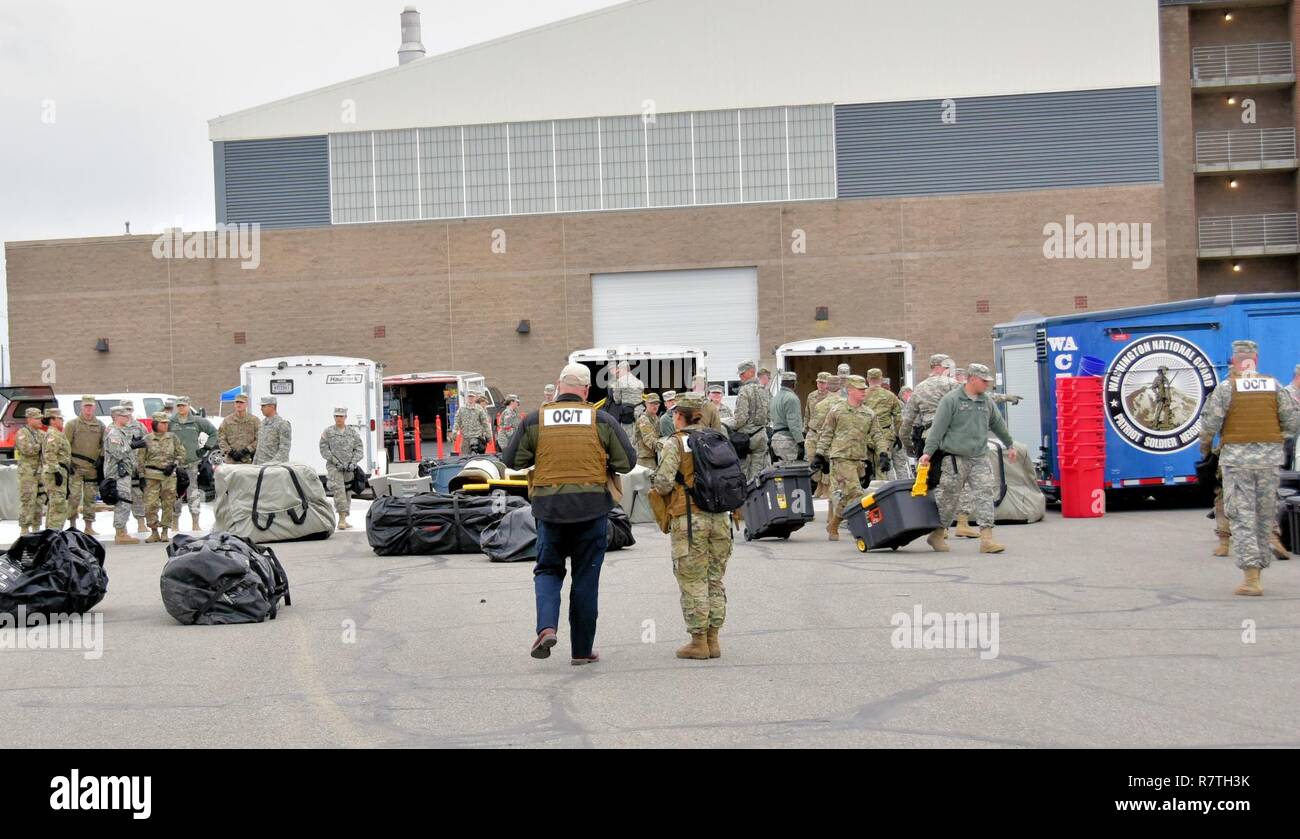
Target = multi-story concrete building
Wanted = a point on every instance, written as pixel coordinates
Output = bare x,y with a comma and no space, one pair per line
733,174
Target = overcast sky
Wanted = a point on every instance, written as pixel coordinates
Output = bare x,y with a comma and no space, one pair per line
104,105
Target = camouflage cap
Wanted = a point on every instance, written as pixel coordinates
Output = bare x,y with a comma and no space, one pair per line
549,389
169,402
269,400
789,376
743,366
960,371
87,399
32,413
939,359
651,397
53,413
875,373
716,389
979,371
118,411
855,382
691,401
1245,348
128,404
182,400
763,371
833,381
669,395
241,398
512,397
340,412
843,369
160,416
699,378
823,376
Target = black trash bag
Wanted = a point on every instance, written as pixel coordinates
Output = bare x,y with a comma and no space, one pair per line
221,578
53,572
433,522
108,491
618,534
206,477
512,538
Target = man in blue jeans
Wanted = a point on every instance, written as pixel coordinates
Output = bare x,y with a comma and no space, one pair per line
573,447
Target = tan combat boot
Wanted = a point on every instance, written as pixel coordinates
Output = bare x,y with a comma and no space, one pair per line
938,539
1250,585
343,522
987,545
1279,550
165,536
698,648
711,637
141,525
153,535
123,539
1221,549
89,528
964,530
832,527
194,521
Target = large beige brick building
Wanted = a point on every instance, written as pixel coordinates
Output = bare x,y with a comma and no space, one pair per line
868,172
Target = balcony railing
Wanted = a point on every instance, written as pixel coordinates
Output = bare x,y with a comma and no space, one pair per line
1266,233
1242,60
1245,149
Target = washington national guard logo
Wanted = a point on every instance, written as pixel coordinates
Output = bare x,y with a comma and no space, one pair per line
1155,389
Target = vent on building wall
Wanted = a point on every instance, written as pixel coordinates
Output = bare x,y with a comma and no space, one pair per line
381,332
1040,344
240,338
982,307
1081,301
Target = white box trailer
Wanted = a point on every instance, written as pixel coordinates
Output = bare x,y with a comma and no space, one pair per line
814,355
660,367
308,388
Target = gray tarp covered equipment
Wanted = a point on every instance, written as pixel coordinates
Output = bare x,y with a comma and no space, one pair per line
636,495
9,492
278,502
511,539
1022,501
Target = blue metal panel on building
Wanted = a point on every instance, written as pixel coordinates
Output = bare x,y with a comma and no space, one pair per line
274,183
999,143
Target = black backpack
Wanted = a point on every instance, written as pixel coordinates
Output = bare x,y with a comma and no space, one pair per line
719,485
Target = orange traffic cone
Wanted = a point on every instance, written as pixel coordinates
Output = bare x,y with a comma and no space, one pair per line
455,447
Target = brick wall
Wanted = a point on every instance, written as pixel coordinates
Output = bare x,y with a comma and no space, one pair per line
912,268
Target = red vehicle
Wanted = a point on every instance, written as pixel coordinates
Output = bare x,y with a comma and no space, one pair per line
16,401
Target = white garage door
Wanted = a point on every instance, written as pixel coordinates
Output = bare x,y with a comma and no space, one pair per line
1020,378
715,309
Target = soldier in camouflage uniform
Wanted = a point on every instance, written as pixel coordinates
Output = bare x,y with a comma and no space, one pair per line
85,435
1294,388
918,412
822,391
625,391
810,435
1253,415
119,464
647,436
187,426
843,372
137,431
56,467
750,417
700,556
341,446
507,421
849,435
962,423
238,434
274,437
715,414
786,419
888,409
665,422
159,459
815,420
28,445
473,425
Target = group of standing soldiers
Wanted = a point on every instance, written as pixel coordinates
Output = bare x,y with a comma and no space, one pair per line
59,466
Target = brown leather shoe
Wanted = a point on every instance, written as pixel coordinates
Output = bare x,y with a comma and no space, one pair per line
586,659
542,645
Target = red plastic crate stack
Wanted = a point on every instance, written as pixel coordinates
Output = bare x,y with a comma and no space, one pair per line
1081,445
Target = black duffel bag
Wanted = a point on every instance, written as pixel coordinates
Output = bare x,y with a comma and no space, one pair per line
740,442
221,578
433,522
53,572
108,491
619,533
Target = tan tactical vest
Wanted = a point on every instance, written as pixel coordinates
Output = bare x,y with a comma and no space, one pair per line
568,448
1252,416
86,439
677,501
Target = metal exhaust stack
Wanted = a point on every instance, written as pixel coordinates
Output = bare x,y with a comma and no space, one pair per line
411,47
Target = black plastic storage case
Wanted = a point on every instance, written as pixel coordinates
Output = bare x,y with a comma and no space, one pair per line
891,517
779,501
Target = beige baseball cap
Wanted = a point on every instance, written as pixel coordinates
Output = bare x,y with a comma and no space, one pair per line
575,375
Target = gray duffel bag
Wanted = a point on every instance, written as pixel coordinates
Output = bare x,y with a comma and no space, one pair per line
277,502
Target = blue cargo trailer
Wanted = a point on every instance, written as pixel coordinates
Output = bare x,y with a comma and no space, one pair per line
1160,364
